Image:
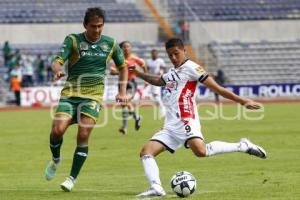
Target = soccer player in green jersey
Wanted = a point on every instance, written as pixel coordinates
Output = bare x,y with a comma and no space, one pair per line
87,55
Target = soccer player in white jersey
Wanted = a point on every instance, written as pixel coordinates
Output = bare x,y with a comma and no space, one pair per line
182,126
155,65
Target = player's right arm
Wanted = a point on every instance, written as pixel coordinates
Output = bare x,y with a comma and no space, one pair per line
152,79
61,57
57,70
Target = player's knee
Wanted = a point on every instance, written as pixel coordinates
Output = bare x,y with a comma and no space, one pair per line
145,152
57,130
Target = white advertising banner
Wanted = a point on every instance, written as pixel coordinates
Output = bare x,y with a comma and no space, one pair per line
45,96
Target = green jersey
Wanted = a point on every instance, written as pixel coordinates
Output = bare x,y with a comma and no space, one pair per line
87,64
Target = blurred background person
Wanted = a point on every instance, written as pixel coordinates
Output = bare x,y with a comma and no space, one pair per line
15,86
28,71
129,110
155,66
39,65
6,52
220,79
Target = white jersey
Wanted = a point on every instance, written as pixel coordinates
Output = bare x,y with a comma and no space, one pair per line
154,66
178,96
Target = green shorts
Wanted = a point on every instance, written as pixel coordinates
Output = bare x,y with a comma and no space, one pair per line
75,106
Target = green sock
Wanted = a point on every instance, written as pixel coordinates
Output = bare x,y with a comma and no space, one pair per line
55,145
80,155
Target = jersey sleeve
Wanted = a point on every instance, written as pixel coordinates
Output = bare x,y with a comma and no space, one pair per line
118,56
65,50
197,73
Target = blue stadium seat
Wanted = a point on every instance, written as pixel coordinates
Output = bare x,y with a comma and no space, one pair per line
268,62
235,9
31,11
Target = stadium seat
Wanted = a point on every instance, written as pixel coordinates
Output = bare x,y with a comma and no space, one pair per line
29,11
261,62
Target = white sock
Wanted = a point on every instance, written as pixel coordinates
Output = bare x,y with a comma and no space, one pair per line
151,169
217,147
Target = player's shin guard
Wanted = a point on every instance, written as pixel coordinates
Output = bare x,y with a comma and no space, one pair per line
79,158
55,145
151,169
217,147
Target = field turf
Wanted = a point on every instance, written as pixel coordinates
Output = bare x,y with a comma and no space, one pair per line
113,170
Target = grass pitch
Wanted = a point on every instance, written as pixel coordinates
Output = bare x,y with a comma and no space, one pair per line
113,170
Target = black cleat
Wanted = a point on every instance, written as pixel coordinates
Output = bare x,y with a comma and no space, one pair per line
123,131
254,149
138,122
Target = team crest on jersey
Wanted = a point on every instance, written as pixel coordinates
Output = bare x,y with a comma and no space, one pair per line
105,47
171,85
83,46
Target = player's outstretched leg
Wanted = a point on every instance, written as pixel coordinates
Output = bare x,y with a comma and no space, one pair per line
253,149
152,173
217,147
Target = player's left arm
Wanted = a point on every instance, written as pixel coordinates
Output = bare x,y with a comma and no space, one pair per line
214,86
123,76
119,61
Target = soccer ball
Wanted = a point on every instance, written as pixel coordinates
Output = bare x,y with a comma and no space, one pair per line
183,184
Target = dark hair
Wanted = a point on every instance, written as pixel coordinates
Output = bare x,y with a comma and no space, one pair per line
174,42
121,45
91,12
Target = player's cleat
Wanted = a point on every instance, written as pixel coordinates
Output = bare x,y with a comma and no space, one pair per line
254,149
123,131
155,190
68,184
51,170
138,123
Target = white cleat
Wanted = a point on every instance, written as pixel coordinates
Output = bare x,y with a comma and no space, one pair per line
254,149
68,184
155,190
51,170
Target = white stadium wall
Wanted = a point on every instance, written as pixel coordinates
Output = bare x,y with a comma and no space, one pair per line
252,31
200,32
55,33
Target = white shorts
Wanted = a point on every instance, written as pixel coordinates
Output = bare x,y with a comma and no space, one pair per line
174,139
